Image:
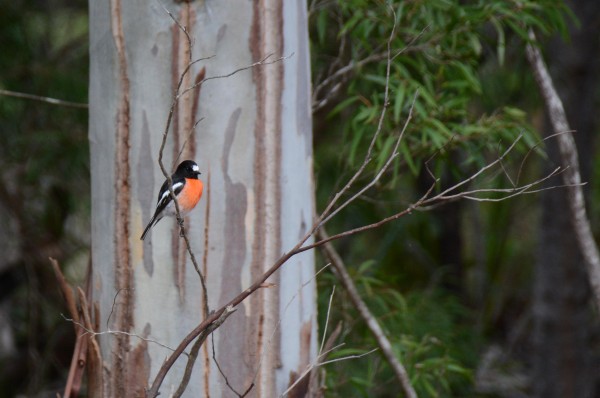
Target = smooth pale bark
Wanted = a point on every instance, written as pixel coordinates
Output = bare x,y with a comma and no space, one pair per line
254,150
564,362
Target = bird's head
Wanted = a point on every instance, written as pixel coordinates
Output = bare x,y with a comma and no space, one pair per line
188,169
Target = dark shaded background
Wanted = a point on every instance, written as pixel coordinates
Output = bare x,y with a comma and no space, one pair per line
496,290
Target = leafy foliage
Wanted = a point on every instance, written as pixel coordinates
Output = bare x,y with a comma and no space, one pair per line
438,48
427,330
425,277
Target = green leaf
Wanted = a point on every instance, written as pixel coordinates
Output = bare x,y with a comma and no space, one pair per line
398,102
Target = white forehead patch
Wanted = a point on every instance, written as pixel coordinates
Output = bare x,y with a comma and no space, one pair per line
195,168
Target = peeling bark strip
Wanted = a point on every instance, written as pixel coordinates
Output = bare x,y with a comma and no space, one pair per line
123,312
266,38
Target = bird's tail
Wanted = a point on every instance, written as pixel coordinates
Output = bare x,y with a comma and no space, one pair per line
152,223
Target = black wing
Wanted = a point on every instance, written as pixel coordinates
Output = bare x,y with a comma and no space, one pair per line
164,198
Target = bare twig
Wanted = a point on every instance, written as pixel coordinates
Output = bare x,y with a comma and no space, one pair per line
278,324
89,331
368,157
334,80
382,340
114,304
569,157
47,100
176,96
196,348
445,195
327,320
264,61
187,374
325,349
224,376
381,171
317,364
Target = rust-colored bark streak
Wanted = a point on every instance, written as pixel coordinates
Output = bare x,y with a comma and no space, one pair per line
191,144
175,74
139,361
277,110
256,300
266,37
205,273
182,126
123,311
301,389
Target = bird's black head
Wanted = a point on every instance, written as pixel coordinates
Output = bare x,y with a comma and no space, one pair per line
188,169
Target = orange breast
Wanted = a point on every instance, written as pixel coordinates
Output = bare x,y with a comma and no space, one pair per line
190,195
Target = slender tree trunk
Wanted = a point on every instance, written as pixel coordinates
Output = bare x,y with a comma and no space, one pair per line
563,361
254,148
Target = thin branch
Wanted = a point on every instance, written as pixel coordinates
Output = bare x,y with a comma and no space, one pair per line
327,320
176,96
214,357
196,348
114,304
184,30
89,331
321,354
485,168
427,200
532,149
381,171
511,191
569,157
335,79
187,374
47,100
368,156
315,365
278,324
263,61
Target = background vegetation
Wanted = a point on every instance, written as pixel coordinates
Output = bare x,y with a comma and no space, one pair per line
454,287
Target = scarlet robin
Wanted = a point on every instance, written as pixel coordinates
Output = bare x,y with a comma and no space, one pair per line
187,189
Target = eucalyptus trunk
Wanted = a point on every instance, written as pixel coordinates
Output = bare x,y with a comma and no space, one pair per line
253,147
